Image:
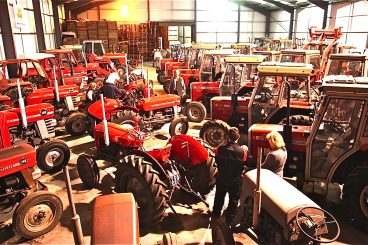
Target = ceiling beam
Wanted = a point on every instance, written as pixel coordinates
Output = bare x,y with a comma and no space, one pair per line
254,7
282,6
90,5
77,4
323,5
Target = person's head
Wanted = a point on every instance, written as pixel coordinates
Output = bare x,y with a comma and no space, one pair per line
177,73
233,134
92,85
275,140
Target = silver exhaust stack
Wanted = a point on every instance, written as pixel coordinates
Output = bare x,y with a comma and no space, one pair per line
106,130
22,106
56,85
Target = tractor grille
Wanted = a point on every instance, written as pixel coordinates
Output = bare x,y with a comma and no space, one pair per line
75,101
50,125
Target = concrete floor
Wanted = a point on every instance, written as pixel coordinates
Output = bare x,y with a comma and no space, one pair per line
191,227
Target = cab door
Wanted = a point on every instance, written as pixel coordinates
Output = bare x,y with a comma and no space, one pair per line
334,136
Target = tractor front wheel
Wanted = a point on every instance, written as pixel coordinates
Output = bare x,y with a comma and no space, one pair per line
221,233
53,155
214,132
88,170
37,214
355,195
76,124
178,125
203,176
195,111
136,175
161,78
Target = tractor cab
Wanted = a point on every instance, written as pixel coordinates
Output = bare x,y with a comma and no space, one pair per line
96,49
271,44
78,52
312,57
240,74
29,72
269,99
355,65
271,56
244,48
68,62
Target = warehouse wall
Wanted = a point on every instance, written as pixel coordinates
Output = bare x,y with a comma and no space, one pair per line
48,23
2,53
353,17
252,24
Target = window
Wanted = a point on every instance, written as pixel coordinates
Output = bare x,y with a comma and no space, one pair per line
316,62
294,58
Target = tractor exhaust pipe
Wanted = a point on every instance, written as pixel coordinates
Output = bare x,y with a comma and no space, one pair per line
142,68
56,85
21,106
106,130
127,68
287,127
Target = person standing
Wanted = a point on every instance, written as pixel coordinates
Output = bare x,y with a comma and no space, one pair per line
230,160
90,94
108,89
276,157
177,86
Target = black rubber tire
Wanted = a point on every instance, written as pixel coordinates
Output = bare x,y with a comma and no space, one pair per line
166,86
195,112
300,120
214,132
203,176
221,233
126,117
180,122
131,98
4,107
169,239
76,124
21,217
161,78
152,189
355,192
48,165
88,171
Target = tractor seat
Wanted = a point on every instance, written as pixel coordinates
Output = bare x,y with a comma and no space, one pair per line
115,220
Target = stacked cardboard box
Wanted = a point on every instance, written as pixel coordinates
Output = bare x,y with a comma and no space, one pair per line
92,30
82,33
71,25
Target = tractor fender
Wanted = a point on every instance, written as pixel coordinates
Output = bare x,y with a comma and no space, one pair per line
156,165
187,150
111,107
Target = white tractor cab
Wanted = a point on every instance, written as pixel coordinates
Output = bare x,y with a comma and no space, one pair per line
78,52
240,74
93,47
304,56
244,48
271,56
213,64
355,65
197,53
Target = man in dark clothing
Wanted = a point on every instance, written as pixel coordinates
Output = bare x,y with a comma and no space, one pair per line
108,89
177,86
230,159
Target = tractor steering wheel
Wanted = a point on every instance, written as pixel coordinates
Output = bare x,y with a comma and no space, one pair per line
337,127
143,135
315,223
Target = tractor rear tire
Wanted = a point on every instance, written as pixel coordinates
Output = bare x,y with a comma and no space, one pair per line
300,120
221,233
355,195
169,239
161,78
37,214
214,132
203,176
76,124
53,155
166,86
195,111
178,125
136,175
127,117
88,171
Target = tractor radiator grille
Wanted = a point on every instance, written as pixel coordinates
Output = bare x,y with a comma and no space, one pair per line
50,125
75,101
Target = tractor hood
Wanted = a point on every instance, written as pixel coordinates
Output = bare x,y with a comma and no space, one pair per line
34,113
159,102
10,83
257,137
111,107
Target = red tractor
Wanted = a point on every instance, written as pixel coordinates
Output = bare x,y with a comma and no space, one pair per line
333,151
37,211
149,113
184,163
239,72
266,104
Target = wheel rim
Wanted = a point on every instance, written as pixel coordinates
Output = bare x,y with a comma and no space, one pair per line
179,128
218,237
79,125
138,190
215,136
364,201
54,157
39,217
194,112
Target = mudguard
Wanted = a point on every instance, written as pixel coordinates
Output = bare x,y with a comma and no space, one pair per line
111,107
187,150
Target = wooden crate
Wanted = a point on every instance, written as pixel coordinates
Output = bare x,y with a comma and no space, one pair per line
71,25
